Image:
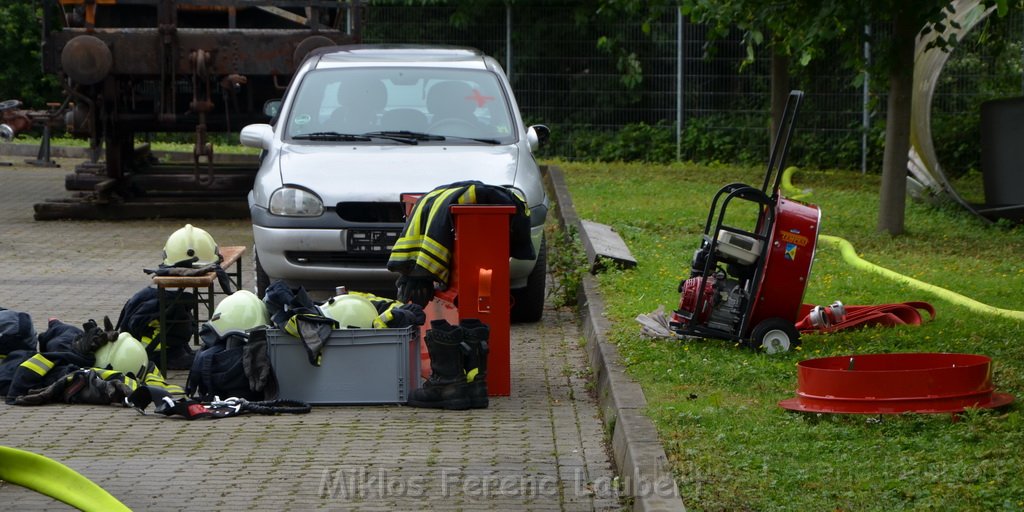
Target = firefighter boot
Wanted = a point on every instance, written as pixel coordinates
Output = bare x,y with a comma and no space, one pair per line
474,335
446,388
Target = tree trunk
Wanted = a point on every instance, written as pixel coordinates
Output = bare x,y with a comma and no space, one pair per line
780,93
897,126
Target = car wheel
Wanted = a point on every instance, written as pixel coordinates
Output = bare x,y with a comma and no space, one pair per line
262,279
528,302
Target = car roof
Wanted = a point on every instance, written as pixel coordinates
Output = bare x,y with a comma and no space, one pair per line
391,54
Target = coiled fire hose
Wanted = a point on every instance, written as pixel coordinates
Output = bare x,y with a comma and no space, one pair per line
849,255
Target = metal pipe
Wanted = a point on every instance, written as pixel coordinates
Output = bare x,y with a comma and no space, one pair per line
348,18
14,122
508,41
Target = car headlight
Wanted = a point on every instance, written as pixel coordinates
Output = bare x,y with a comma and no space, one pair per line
295,202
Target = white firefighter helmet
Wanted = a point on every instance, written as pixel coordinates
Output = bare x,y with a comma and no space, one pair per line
238,313
191,242
350,310
125,354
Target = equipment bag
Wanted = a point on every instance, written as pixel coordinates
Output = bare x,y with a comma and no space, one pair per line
232,366
217,371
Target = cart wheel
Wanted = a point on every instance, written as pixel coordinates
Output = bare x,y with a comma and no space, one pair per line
774,335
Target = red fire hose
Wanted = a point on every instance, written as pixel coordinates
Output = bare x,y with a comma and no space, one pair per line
827,319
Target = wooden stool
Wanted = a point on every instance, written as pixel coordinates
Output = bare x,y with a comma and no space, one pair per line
202,293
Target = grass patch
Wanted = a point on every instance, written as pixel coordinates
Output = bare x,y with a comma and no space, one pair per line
715,404
567,262
227,144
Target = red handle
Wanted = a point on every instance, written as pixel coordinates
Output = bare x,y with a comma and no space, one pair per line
483,304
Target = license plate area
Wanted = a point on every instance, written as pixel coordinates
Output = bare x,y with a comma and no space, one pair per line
371,241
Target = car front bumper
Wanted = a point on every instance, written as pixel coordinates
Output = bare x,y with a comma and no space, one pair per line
321,259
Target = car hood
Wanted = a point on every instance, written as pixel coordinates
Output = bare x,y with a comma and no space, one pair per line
371,173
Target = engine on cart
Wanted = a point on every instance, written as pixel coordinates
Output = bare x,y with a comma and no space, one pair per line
723,301
748,278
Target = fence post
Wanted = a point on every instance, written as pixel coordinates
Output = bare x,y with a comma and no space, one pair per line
865,116
508,40
679,84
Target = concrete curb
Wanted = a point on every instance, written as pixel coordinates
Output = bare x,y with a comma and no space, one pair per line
643,467
32,150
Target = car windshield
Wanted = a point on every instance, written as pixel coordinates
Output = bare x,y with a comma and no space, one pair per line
425,104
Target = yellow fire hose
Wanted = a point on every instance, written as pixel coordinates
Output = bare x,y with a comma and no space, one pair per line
850,256
49,477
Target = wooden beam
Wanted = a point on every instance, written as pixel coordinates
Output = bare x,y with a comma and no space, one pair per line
83,209
284,14
603,244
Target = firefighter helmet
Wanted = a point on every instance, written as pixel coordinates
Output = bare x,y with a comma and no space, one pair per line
191,246
125,354
239,312
350,310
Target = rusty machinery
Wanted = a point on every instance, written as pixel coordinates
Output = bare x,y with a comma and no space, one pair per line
15,120
130,67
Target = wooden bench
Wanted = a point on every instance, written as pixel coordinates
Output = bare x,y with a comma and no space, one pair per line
203,293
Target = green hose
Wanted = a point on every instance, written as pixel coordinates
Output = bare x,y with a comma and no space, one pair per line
787,185
49,477
850,256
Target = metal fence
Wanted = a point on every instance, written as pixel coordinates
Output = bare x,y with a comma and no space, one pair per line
564,78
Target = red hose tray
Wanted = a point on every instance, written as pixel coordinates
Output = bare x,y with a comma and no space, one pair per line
895,383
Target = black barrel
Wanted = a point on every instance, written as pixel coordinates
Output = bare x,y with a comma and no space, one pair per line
1002,151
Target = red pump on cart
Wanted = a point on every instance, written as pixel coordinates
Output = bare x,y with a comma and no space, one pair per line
747,284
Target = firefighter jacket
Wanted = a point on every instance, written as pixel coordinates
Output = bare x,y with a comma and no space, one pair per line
140,317
425,246
59,337
55,359
64,372
16,332
41,370
393,314
294,312
68,377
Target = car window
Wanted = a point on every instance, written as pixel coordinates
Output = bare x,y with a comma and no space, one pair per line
453,103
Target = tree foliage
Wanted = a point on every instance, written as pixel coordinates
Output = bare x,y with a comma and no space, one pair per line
805,29
22,75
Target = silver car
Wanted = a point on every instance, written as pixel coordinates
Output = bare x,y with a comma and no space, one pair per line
361,125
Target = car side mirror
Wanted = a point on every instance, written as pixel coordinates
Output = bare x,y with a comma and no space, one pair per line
537,135
271,108
257,136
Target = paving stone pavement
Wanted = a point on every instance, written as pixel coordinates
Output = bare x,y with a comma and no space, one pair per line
543,448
